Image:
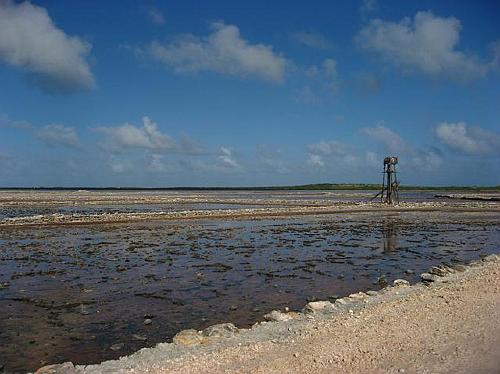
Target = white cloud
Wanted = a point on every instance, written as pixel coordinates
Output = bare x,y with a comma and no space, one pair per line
471,141
322,78
316,160
58,135
157,164
270,159
331,148
312,39
30,41
426,160
119,165
427,43
146,137
326,71
320,153
227,158
371,159
391,141
156,16
224,52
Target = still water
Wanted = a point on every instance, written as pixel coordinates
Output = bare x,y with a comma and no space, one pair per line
69,293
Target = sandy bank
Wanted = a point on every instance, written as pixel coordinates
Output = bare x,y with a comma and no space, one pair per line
447,324
253,213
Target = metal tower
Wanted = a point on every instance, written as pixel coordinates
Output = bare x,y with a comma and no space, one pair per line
390,183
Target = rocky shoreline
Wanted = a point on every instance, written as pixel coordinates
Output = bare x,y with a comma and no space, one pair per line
280,327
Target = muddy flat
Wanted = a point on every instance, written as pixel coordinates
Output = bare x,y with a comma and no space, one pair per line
444,327
115,283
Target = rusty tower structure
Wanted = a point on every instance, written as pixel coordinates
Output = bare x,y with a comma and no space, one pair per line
390,183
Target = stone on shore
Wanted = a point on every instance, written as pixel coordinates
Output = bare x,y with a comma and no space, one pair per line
439,271
427,277
491,258
318,306
220,330
277,316
188,338
460,268
401,283
66,368
357,295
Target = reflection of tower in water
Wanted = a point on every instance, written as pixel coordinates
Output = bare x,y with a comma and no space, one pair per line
390,235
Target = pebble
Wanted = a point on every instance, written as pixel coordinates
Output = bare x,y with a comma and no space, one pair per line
139,337
409,271
295,355
372,293
148,321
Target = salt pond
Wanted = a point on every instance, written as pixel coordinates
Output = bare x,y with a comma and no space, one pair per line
70,293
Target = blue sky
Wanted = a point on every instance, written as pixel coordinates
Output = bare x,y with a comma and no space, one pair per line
224,93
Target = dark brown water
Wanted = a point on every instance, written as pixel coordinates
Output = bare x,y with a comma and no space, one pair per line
69,293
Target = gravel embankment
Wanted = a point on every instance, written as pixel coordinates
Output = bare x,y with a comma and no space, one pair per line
449,324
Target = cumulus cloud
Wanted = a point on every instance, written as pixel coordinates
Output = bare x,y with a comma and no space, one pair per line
147,136
327,70
472,141
5,120
119,165
223,51
316,160
58,135
330,148
270,159
227,158
391,141
427,159
322,78
427,44
312,39
371,158
30,41
319,153
157,164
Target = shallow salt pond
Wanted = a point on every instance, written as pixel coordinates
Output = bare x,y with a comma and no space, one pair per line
70,292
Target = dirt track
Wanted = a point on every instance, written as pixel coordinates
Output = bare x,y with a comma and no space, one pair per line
451,326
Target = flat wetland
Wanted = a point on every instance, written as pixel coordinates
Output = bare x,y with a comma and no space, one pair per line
82,271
